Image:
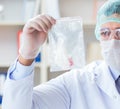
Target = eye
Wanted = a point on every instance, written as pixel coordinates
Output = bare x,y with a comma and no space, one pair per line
118,33
105,33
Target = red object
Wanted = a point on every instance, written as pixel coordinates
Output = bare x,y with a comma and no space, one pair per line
19,39
71,61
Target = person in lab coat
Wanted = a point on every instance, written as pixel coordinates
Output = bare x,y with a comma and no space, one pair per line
91,87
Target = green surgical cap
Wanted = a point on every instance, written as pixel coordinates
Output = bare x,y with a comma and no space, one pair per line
109,12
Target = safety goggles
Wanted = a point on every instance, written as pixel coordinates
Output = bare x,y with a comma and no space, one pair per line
107,34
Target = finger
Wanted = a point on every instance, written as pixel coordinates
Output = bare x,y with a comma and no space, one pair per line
41,25
35,26
51,19
46,21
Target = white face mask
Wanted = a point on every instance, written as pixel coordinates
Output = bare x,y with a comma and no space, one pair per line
111,53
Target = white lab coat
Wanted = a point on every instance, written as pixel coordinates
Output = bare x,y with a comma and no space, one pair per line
89,88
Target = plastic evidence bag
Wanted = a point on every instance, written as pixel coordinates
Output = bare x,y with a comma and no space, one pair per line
66,44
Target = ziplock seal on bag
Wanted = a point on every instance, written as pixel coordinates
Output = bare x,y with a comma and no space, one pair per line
66,44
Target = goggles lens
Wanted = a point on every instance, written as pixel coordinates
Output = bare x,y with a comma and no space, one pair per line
107,34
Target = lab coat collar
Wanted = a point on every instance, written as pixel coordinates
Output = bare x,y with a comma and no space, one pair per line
105,81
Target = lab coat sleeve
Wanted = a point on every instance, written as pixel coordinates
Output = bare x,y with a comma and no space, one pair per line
19,94
24,71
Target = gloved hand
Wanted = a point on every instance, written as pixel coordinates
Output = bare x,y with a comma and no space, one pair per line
34,35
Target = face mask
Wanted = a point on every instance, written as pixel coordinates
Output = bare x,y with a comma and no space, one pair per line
111,53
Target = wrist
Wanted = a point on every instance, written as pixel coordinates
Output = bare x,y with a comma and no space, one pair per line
25,62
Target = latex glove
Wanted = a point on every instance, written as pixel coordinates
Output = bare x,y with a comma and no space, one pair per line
34,35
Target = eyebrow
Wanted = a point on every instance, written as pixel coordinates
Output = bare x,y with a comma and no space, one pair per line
117,28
